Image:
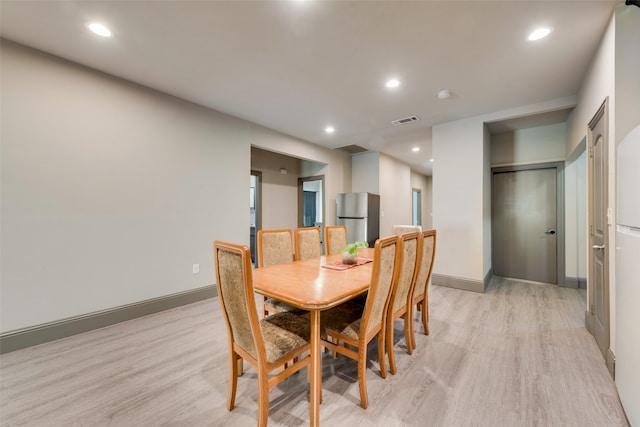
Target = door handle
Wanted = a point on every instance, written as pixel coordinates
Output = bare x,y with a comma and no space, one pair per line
551,232
598,247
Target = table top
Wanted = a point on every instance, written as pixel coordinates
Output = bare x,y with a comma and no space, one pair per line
307,285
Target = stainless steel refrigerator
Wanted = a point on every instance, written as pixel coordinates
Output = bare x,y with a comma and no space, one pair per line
360,212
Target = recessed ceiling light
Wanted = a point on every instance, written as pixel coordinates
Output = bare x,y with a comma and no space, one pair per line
444,94
392,83
99,29
415,149
431,160
329,129
539,33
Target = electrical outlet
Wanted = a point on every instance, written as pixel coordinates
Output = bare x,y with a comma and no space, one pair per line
196,268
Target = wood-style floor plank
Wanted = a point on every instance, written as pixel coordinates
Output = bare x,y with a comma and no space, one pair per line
518,355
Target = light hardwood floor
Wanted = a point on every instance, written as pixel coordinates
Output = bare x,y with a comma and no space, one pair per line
518,355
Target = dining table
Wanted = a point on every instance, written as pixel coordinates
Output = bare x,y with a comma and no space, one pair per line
315,285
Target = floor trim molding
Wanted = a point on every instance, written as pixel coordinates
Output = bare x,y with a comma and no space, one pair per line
458,283
611,363
575,282
588,321
39,334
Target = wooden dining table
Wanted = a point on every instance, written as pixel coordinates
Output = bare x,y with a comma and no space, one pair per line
310,286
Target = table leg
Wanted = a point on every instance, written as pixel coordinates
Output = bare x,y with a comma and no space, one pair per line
316,370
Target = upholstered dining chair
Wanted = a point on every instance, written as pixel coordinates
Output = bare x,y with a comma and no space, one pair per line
421,289
307,243
401,302
335,238
401,229
274,247
355,325
267,343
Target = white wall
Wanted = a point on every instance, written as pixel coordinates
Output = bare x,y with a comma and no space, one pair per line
526,146
575,175
461,190
458,198
111,191
396,204
279,192
365,172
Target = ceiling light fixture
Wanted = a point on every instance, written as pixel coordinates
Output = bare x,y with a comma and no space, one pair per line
329,129
431,160
99,29
539,33
444,94
392,83
415,149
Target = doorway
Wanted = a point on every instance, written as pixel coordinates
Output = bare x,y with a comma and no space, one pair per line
311,202
528,222
598,280
416,198
255,211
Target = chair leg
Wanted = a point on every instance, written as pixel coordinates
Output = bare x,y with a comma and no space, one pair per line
263,399
362,376
408,329
240,370
389,339
425,313
233,379
383,363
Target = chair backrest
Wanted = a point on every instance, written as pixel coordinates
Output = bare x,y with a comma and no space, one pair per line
307,242
426,262
235,292
335,238
409,263
396,230
274,247
384,276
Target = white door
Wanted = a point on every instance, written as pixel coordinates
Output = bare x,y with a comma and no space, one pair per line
598,229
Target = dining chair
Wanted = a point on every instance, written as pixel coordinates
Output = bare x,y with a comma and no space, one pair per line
401,301
335,238
307,243
274,247
266,343
401,229
421,289
355,325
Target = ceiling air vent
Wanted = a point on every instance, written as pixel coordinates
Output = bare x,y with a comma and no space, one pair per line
352,149
405,120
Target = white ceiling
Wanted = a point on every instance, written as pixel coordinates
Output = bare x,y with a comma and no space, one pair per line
296,66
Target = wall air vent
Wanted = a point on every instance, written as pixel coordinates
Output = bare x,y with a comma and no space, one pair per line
405,120
352,149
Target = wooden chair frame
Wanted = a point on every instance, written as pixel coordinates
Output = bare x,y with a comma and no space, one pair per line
237,353
333,338
421,289
266,308
404,290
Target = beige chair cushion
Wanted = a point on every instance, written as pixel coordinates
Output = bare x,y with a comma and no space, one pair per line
284,333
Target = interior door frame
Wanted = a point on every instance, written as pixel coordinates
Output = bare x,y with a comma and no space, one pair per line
301,182
601,114
560,216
